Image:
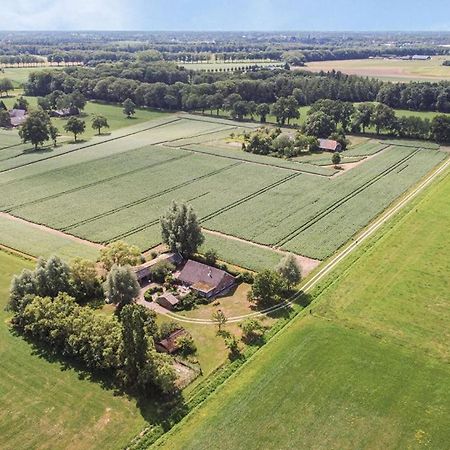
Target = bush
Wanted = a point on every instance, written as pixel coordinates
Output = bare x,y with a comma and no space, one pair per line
160,271
187,302
247,277
252,330
148,294
168,328
210,257
186,345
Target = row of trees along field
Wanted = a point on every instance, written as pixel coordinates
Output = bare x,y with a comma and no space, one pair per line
164,85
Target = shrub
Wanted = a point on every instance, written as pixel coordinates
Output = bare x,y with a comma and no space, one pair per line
210,257
186,345
168,328
252,330
160,271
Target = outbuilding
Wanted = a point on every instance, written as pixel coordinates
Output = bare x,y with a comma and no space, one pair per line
330,145
170,344
167,300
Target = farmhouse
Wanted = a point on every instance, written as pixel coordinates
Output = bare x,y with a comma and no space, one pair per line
17,117
170,344
330,145
205,280
167,300
143,271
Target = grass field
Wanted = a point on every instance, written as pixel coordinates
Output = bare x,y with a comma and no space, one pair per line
20,75
118,186
113,113
369,369
387,69
48,405
220,66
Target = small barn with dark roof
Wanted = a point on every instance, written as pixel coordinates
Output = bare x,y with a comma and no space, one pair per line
167,300
205,280
330,145
169,344
143,271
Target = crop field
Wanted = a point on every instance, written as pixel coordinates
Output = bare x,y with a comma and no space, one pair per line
387,69
117,187
368,369
46,404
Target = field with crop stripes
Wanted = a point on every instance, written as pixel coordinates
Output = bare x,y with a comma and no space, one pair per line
117,187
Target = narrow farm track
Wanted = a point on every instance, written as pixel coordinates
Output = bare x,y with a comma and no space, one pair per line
95,183
328,267
342,200
148,197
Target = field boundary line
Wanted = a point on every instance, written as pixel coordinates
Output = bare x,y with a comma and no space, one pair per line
51,230
359,239
92,144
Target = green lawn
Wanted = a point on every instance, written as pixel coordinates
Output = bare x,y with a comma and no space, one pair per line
46,405
112,112
368,370
20,75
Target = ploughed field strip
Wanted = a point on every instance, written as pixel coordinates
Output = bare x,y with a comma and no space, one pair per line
118,188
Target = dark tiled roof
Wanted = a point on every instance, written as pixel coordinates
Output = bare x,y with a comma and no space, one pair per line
169,344
201,276
169,297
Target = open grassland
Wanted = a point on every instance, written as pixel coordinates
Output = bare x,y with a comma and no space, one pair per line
221,66
48,405
113,113
387,69
369,369
19,75
117,187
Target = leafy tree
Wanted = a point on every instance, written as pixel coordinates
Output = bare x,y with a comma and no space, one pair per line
99,122
121,287
291,111
383,117
21,103
135,343
6,85
75,126
5,119
22,286
83,278
363,115
53,133
262,110
252,330
44,103
336,158
180,229
440,128
211,256
129,108
35,129
232,344
267,289
239,110
289,270
220,318
119,253
52,277
319,124
186,345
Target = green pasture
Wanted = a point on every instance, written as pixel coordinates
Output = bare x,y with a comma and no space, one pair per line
368,369
19,75
46,404
221,66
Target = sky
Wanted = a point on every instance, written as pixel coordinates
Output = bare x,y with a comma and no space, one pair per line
224,15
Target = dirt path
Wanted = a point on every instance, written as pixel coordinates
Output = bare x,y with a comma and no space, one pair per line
307,265
52,231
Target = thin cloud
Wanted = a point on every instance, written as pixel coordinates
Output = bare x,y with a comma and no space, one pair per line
65,15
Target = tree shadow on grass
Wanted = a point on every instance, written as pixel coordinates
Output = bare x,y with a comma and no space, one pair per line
155,408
